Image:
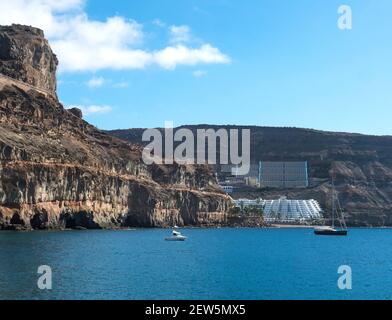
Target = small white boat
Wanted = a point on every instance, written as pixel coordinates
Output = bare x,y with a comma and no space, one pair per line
176,236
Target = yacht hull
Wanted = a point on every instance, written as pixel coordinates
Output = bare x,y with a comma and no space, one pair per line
331,232
175,239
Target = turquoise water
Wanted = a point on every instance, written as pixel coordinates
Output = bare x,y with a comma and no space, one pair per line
212,264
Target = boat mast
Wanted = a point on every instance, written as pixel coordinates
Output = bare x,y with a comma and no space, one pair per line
339,208
333,202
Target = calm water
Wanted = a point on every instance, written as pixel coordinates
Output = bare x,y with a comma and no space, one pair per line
212,264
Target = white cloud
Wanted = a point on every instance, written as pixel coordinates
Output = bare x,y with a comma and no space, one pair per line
83,44
49,15
92,45
92,109
95,82
199,73
180,34
171,57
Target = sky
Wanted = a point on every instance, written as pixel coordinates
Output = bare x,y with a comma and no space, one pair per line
137,64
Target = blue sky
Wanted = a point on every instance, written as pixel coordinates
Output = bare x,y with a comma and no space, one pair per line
273,63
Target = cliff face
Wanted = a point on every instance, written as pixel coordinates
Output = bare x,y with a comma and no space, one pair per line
25,55
362,165
57,171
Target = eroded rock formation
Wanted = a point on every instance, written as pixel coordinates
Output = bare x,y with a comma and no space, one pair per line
25,55
57,171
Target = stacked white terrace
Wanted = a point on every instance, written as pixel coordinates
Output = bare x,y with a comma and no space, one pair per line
283,210
292,210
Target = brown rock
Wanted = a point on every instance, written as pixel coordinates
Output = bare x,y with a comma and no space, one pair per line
76,112
58,171
25,55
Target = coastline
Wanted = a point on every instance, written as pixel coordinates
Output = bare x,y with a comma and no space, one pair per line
270,226
291,226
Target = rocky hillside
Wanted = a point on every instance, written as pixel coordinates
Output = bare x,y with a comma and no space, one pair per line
362,164
25,55
58,171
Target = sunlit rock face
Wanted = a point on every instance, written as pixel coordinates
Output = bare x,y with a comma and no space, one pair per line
25,55
57,171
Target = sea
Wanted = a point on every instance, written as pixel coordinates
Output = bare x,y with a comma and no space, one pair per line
271,263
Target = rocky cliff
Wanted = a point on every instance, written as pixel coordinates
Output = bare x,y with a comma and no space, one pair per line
58,171
25,55
362,165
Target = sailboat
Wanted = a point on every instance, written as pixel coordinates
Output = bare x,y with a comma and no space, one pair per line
176,236
336,209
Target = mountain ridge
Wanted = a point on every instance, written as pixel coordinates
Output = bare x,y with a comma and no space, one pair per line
362,164
249,126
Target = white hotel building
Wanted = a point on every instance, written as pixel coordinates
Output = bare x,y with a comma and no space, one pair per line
284,210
